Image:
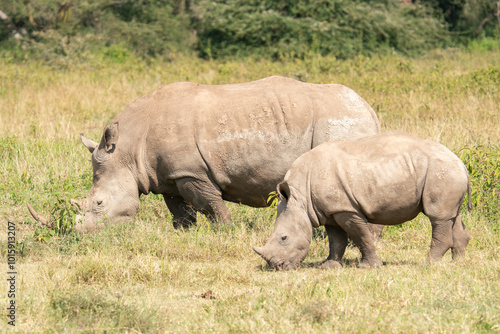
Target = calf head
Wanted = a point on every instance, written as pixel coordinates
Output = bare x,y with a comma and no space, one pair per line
289,243
114,195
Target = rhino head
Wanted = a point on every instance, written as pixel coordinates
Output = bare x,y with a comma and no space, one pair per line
289,243
114,195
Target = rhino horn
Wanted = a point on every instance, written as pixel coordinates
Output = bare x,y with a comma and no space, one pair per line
79,204
89,144
261,251
39,218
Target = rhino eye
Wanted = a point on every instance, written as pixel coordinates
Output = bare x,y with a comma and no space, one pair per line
99,202
284,237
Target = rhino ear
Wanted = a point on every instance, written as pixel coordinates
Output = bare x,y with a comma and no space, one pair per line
110,137
283,190
89,144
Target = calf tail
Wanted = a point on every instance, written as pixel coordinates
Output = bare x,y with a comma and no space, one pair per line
469,190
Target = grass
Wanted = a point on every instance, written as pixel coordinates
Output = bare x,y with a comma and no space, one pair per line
145,276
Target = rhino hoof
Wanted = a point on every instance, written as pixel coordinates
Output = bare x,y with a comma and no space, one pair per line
183,225
330,264
370,264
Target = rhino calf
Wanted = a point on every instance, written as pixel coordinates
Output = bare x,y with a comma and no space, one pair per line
384,179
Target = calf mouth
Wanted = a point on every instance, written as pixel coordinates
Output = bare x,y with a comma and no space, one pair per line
277,262
282,265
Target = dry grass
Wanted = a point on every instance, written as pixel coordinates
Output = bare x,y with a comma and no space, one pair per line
446,95
147,277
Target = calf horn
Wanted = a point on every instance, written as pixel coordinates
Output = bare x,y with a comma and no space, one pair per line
39,218
261,251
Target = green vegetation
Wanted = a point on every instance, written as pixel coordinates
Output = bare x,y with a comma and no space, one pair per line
145,276
298,28
64,32
483,163
53,30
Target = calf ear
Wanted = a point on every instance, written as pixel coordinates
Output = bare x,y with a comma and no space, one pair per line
89,144
110,137
283,190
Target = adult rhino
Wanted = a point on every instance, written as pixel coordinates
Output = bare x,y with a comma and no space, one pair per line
198,145
385,179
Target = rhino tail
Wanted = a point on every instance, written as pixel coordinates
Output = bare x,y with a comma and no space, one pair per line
469,191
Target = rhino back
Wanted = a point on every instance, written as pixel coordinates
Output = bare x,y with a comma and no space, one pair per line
244,136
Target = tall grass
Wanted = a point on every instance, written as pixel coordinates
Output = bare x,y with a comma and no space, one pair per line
145,276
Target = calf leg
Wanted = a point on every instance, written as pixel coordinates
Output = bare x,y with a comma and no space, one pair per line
357,228
184,214
205,197
461,238
337,239
442,239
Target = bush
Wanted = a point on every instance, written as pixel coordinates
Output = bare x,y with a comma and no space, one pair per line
296,28
54,29
483,164
469,18
484,44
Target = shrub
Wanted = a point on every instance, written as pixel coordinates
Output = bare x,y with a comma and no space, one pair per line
484,44
63,220
469,18
483,164
296,28
70,29
51,30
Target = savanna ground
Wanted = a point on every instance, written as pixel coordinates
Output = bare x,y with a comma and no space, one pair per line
145,276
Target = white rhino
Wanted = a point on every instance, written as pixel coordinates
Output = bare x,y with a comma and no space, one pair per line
385,179
198,145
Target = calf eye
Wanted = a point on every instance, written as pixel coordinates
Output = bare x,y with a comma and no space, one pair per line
284,237
99,202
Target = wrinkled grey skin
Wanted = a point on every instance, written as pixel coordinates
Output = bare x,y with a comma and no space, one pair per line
198,145
385,179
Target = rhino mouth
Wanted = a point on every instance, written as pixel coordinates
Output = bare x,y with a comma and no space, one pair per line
276,261
281,265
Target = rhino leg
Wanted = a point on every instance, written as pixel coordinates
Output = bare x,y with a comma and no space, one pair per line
461,238
337,239
357,228
184,214
205,197
376,230
442,238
